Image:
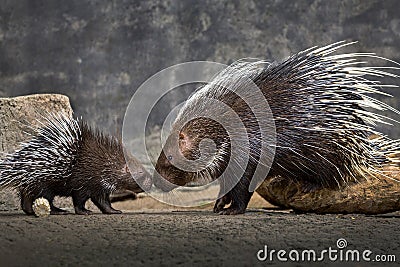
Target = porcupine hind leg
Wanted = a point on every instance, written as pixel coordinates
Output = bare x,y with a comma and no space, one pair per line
308,187
79,204
26,203
104,204
54,210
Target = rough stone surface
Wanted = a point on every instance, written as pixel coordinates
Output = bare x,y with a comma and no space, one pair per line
375,195
17,115
99,52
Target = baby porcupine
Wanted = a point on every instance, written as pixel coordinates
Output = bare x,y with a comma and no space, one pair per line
322,111
66,158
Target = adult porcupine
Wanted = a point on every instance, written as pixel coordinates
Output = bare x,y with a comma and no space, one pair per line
321,109
65,158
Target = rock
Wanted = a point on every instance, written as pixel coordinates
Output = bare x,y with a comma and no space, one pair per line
16,114
375,195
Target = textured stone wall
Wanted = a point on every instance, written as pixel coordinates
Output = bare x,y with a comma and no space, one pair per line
99,52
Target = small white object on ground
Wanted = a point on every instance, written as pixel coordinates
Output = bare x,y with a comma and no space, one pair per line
41,207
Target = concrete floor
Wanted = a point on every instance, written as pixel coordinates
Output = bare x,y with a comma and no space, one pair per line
162,237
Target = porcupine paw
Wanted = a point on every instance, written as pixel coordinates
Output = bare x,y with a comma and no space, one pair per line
104,204
218,207
58,211
26,204
112,211
232,211
28,211
221,203
83,212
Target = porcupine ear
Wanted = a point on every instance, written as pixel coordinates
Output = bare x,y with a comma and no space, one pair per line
185,143
125,169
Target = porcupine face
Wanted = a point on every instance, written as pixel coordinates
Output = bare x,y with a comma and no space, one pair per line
101,158
185,158
116,174
134,169
166,163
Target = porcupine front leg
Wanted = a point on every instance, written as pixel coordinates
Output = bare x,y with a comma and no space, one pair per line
240,199
79,204
239,196
104,204
222,202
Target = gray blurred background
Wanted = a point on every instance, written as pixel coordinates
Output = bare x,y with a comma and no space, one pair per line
99,52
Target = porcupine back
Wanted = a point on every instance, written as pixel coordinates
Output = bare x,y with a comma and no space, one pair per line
57,151
323,113
47,155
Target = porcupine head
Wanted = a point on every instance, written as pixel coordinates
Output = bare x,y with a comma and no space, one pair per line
188,150
198,148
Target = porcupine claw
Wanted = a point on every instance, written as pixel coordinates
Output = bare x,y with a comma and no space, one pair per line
221,203
232,211
58,211
104,204
112,211
83,211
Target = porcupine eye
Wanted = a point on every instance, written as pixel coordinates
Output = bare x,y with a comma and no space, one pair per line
181,138
126,169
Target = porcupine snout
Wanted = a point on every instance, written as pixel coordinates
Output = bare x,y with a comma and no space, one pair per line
142,178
